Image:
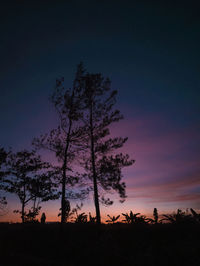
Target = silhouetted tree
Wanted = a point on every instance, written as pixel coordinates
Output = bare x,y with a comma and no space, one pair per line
3,204
43,218
67,208
43,187
155,217
3,173
3,156
102,167
63,140
26,180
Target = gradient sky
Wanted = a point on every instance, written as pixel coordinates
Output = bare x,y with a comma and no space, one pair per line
150,51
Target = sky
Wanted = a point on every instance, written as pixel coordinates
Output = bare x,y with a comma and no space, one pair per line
149,50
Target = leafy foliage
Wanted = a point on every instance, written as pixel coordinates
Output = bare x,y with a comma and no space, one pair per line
134,218
113,219
130,218
3,206
181,217
81,218
195,215
92,219
29,182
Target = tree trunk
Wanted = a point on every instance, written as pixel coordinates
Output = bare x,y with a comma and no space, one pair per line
23,202
96,196
63,214
23,212
63,200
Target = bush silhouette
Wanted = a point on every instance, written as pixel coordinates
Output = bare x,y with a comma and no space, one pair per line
113,219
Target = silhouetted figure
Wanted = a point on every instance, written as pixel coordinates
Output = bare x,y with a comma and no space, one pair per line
43,218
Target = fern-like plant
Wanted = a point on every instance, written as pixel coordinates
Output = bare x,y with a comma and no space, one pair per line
112,219
178,217
196,215
130,218
92,219
81,218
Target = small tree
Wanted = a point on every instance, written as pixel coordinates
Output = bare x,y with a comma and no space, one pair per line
25,182
43,218
64,140
102,164
43,187
155,217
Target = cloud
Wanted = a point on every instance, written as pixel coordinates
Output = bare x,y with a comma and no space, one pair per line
167,160
173,190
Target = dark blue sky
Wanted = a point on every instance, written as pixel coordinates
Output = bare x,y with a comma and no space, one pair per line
149,49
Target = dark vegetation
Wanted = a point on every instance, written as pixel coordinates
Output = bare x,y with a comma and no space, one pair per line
107,244
83,138
167,240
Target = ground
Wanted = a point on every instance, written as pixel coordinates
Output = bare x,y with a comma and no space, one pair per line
105,245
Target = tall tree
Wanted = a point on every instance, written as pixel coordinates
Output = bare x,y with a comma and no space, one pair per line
23,168
63,140
103,164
